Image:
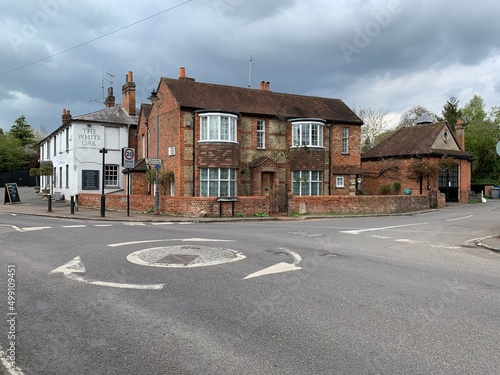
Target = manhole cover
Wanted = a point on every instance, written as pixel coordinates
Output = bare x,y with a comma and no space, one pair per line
184,256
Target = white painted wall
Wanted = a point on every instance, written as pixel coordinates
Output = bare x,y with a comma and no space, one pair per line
77,149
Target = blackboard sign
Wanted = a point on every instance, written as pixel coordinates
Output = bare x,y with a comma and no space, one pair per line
11,193
90,179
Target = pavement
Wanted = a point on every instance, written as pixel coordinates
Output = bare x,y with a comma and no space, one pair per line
36,205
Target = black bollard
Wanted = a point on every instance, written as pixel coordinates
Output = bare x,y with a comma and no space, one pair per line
72,205
49,203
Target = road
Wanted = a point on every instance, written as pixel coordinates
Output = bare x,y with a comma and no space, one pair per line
363,295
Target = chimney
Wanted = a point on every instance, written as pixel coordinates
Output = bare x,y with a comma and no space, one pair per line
267,86
128,93
182,72
66,116
262,85
110,99
460,134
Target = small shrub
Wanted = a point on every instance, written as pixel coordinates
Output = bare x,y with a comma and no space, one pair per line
385,189
240,215
261,214
294,214
396,186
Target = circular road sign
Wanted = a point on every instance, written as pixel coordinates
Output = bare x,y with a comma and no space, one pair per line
498,148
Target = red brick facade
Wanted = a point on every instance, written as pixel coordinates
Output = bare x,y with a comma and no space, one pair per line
259,170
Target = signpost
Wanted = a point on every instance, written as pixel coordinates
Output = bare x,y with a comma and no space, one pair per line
128,162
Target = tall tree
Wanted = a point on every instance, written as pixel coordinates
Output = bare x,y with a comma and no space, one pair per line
23,131
451,112
482,133
375,122
411,116
12,154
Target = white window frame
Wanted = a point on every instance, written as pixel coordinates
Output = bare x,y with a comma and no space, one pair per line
307,133
261,134
308,183
218,182
339,181
345,141
218,127
111,175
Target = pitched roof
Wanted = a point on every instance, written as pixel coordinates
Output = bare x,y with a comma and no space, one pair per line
197,95
112,115
414,141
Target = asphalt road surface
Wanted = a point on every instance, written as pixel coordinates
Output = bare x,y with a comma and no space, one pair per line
363,295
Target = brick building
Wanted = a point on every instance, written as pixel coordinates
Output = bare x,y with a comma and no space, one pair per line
426,157
217,141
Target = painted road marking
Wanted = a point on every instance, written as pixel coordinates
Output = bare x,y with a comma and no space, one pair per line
358,231
74,226
163,223
134,224
280,267
31,229
103,225
460,218
75,266
382,237
406,240
169,239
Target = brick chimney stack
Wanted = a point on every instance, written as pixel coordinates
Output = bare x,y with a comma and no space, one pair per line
128,93
66,116
182,72
110,99
460,134
264,86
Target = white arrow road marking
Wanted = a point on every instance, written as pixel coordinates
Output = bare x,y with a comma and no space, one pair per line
27,229
280,267
358,231
169,239
75,266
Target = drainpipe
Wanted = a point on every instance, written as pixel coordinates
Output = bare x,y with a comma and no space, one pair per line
194,151
330,126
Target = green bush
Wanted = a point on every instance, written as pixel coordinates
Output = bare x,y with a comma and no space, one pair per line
385,189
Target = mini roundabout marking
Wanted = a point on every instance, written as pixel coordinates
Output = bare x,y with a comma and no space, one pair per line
184,256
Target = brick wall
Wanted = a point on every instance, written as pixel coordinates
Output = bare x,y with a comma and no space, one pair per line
373,204
184,206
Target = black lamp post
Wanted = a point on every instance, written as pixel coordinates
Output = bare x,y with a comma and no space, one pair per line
103,151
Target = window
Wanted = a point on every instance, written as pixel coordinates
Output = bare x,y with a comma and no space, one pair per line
306,182
339,182
67,176
217,182
143,139
218,127
261,134
111,175
60,177
55,148
307,134
345,140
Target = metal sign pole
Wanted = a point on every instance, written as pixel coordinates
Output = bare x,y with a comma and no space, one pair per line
128,191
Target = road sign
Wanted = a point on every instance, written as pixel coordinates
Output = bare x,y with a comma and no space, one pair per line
128,157
157,166
153,161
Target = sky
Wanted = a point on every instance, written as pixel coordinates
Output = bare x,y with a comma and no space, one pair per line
387,55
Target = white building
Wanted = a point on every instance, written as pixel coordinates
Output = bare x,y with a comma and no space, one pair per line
75,149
